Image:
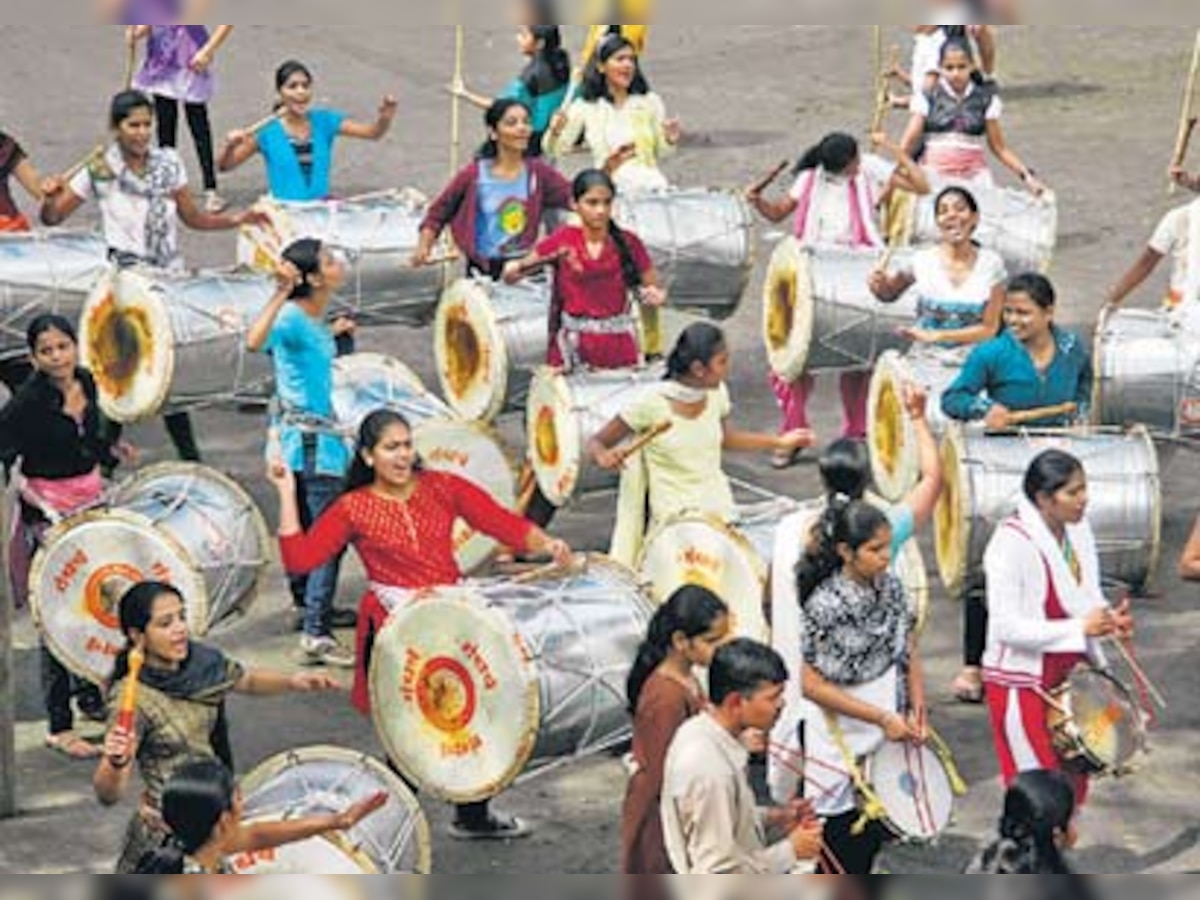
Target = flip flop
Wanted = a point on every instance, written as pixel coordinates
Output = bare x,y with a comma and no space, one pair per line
497,828
72,746
967,692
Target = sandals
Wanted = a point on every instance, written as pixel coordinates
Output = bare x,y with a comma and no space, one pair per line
72,746
968,690
496,828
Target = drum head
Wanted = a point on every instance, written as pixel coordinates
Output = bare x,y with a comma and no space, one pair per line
85,566
455,696
1103,718
555,438
952,516
788,313
468,344
914,786
910,569
366,382
891,441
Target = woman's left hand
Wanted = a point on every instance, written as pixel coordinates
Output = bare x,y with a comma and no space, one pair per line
798,439
315,683
653,296
918,722
1035,185
388,107
343,325
126,453
250,217
201,62
673,130
560,551
920,335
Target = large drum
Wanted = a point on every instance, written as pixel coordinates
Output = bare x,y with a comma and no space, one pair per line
818,312
366,382
702,244
321,781
179,523
565,412
473,685
45,271
377,235
156,340
488,337
1148,372
984,474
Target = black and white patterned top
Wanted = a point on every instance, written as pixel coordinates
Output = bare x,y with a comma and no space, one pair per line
854,634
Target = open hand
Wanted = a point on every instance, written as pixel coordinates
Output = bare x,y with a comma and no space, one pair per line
315,683
362,810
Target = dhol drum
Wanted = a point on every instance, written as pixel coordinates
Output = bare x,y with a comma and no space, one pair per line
702,244
563,414
156,340
475,684
916,789
179,523
1148,372
1096,724
376,234
488,337
327,780
366,382
984,474
818,312
41,272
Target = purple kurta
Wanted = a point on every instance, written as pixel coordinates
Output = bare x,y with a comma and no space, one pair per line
166,71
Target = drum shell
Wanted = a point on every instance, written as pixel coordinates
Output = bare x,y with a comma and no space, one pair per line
897,779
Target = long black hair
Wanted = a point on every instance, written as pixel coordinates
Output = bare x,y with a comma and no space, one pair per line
1049,473
1038,808
700,342
193,802
495,114
305,255
692,610
48,322
125,104
135,613
550,67
960,42
597,178
595,84
834,153
1036,286
845,521
292,67
845,469
370,433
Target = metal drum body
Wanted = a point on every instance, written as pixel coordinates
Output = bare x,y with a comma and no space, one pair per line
321,781
984,474
41,272
1096,724
819,314
475,684
488,337
702,244
156,340
366,382
377,235
180,523
564,412
915,787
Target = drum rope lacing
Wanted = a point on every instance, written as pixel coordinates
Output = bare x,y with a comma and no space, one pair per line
57,287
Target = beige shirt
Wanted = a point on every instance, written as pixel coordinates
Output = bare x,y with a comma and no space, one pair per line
1173,237
711,821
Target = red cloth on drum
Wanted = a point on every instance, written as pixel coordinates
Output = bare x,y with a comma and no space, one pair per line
593,289
404,544
14,224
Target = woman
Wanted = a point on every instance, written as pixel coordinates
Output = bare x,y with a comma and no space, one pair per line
837,201
680,471
293,329
202,806
180,714
495,205
956,118
862,670
663,694
14,163
1037,825
178,69
54,426
297,145
1047,612
619,117
399,518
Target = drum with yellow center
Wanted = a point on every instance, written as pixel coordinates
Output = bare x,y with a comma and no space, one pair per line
476,684
178,523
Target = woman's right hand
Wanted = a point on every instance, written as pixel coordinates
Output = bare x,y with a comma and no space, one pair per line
420,257
238,137
1100,623
53,186
879,283
916,401
282,477
120,745
608,458
557,124
512,273
998,418
288,277
897,729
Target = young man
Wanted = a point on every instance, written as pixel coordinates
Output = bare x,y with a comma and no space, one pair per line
711,823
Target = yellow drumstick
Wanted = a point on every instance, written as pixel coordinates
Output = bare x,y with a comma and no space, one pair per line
1025,416
263,122
643,441
95,153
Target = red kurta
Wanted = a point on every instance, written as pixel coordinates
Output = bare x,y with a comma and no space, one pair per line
404,544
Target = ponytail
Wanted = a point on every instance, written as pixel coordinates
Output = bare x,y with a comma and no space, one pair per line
835,153
193,802
692,610
700,343
845,521
1037,808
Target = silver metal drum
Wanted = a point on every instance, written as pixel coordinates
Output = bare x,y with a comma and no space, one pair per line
702,244
818,312
377,234
179,523
565,411
983,482
155,340
474,685
41,272
488,337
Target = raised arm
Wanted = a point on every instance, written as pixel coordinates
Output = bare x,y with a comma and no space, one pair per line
304,552
260,331
376,130
269,835
1008,156
923,499
59,202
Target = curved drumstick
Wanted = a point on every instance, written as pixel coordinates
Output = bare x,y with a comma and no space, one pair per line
1025,416
128,705
642,441
94,154
763,183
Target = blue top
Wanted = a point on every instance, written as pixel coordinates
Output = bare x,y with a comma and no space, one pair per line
503,214
543,106
1002,371
904,526
303,350
285,176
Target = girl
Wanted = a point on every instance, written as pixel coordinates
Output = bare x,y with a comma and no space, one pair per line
1047,611
663,694
400,518
1038,824
862,670
180,713
203,808
54,426
178,69
836,201
14,163
681,470
297,146
590,320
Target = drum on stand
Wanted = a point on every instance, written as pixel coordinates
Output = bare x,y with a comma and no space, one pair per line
565,412
45,272
321,781
156,340
984,474
377,235
818,312
179,523
488,337
366,382
476,684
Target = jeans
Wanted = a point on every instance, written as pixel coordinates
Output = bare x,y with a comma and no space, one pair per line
58,687
315,592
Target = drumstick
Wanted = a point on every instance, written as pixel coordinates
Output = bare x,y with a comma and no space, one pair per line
130,64
455,109
1025,416
533,264
763,183
1139,673
542,572
1187,119
96,153
128,705
526,488
263,122
446,258
645,439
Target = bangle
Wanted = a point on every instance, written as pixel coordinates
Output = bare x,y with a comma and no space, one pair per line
118,764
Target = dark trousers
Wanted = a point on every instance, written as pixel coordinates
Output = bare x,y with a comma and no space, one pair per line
167,112
975,626
59,687
852,854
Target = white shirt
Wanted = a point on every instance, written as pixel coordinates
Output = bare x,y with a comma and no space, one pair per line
829,219
1172,238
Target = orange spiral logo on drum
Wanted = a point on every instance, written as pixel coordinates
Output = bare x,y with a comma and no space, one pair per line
446,695
102,593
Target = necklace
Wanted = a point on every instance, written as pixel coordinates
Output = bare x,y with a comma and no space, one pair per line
1072,558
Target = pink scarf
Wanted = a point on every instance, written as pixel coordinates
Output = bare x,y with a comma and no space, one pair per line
863,231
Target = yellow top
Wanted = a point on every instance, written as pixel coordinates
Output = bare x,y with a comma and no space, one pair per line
635,34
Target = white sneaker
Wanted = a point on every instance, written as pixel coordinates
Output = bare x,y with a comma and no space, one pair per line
214,203
325,651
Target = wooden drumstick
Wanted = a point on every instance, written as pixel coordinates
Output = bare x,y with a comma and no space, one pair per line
263,122
526,488
449,256
1187,119
535,264
542,572
69,175
763,183
1139,673
1025,416
128,706
130,64
644,440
